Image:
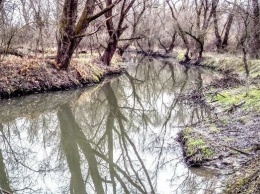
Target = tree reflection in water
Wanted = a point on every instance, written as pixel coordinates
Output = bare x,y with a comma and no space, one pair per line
117,137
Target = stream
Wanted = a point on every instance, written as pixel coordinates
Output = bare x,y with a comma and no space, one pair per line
115,137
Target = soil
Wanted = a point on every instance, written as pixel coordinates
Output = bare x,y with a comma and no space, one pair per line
248,181
229,141
232,139
229,80
22,76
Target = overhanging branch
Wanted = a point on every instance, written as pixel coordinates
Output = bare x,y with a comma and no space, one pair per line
89,34
134,38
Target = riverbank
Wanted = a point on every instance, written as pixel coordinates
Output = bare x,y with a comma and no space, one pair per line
224,62
229,140
22,76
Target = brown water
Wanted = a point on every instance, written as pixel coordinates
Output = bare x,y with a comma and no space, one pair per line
116,137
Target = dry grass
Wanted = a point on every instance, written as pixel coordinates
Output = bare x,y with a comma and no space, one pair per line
226,61
19,76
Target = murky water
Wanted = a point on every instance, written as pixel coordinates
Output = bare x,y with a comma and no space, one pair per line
116,137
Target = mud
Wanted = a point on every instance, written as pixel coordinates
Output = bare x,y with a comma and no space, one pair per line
232,140
229,80
229,141
247,180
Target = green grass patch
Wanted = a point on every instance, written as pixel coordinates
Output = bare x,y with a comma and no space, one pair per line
248,98
196,146
214,129
232,62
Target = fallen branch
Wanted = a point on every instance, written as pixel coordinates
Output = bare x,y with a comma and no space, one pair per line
235,149
205,135
134,38
11,52
235,106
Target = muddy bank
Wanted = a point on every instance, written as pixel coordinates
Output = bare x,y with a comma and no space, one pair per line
229,141
247,180
26,76
225,143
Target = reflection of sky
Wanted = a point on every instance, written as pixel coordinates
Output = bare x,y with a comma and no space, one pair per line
34,150
36,142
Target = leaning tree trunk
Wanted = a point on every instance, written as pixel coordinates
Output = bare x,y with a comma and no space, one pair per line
114,33
66,41
181,33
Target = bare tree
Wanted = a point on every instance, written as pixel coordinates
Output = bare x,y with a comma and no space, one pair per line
179,28
222,43
71,31
135,20
170,32
115,30
204,10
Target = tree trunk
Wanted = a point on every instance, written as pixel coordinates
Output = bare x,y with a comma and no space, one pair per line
186,43
110,51
255,41
216,30
122,49
226,36
114,33
181,33
113,37
111,46
186,55
66,41
66,48
245,62
72,31
200,46
172,45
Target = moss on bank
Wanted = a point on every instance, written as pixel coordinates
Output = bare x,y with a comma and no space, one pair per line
247,99
196,148
25,76
231,138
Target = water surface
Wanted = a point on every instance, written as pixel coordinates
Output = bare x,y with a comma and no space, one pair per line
116,137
